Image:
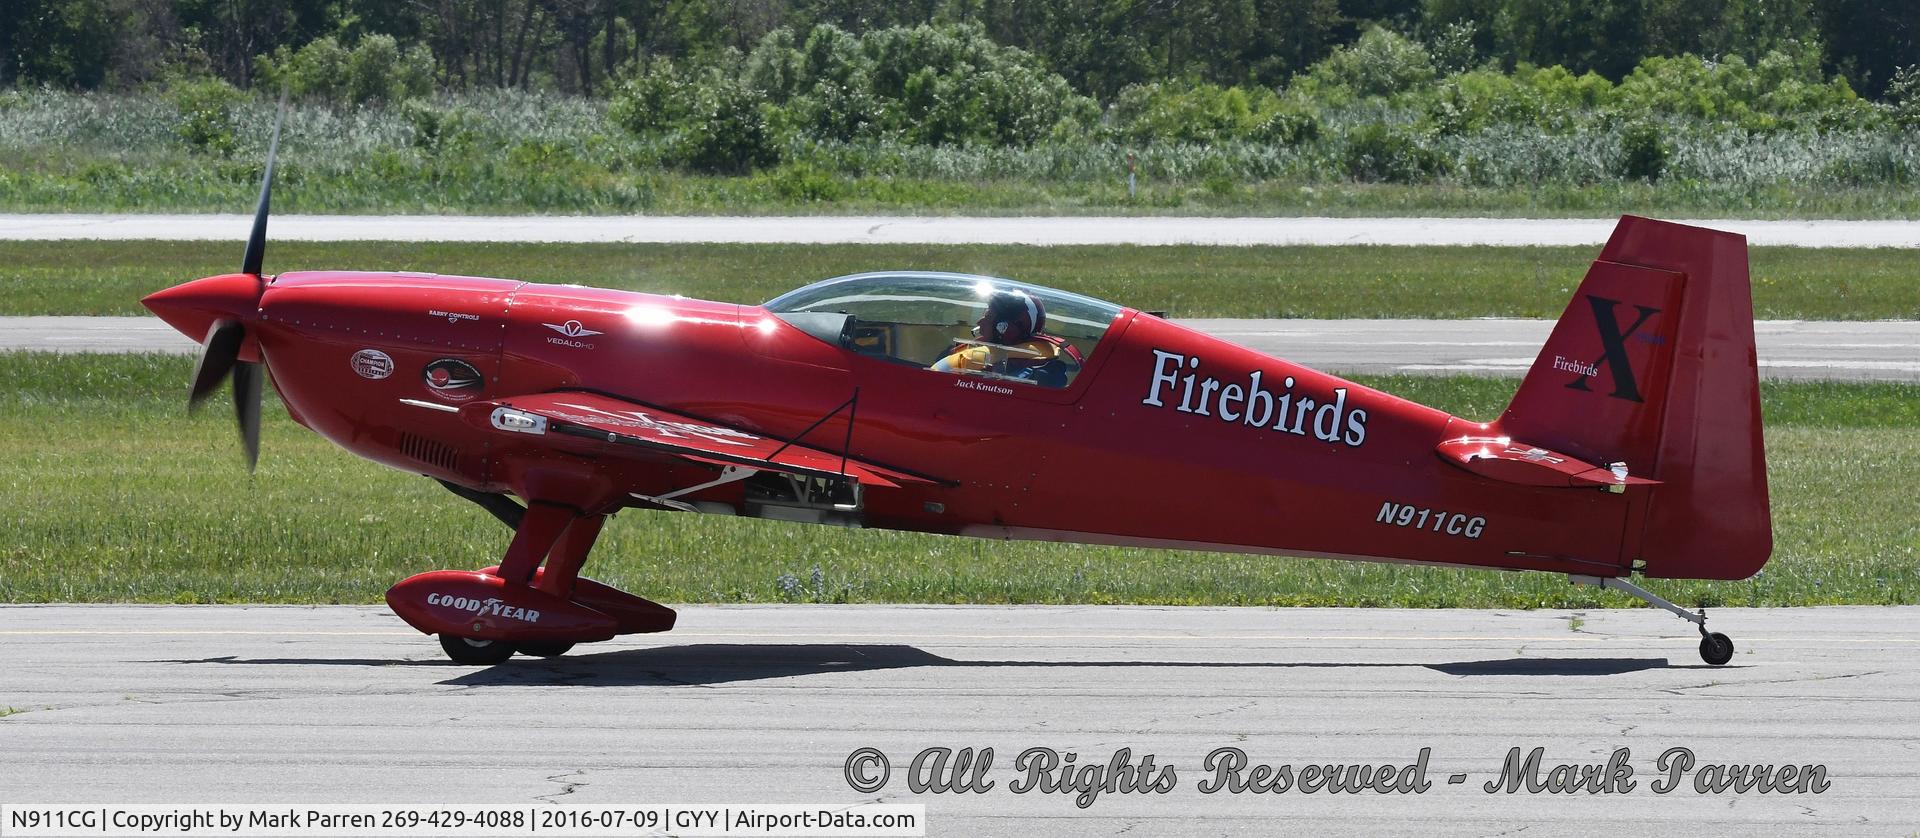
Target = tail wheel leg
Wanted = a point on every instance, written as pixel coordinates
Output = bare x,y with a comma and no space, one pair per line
1715,648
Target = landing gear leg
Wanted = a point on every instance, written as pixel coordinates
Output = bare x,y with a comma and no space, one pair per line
485,616
539,530
1715,648
562,570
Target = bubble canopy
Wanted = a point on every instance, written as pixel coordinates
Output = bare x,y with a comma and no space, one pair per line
942,303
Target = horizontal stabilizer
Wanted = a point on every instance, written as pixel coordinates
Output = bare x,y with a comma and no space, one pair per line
1511,461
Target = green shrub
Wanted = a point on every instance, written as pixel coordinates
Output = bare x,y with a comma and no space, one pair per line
1287,125
724,131
805,183
928,85
1453,47
1177,113
657,97
1903,97
707,120
1558,87
1376,153
1471,101
1879,165
1644,150
375,70
378,71
1381,63
1205,114
206,120
318,69
1784,90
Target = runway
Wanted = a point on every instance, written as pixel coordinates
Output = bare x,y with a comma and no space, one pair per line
1088,230
1788,349
166,704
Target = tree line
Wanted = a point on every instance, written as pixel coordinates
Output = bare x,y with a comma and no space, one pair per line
1100,47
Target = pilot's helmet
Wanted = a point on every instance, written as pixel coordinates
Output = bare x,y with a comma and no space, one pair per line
1014,316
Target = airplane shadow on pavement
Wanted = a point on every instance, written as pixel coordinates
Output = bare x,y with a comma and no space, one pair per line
702,664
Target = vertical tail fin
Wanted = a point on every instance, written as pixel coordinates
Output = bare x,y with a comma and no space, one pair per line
1653,364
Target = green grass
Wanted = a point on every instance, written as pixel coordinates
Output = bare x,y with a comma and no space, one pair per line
115,494
1789,283
512,152
30,182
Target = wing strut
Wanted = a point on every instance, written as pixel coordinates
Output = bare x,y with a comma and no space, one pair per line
851,406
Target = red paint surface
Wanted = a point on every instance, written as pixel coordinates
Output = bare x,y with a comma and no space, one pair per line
1652,365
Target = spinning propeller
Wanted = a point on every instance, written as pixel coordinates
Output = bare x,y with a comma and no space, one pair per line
220,353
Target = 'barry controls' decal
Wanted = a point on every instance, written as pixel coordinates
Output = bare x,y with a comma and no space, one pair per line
453,380
1413,517
1252,404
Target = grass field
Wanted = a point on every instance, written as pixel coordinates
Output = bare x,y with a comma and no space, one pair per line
1435,282
510,152
56,180
114,494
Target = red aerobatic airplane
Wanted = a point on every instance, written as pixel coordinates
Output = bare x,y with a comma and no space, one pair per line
978,406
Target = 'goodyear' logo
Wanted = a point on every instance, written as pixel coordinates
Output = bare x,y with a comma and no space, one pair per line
489,607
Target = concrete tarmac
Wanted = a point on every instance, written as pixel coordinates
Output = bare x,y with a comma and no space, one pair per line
745,704
1043,231
1789,349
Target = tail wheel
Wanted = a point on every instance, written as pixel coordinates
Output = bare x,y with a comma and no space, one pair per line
476,652
1716,648
549,649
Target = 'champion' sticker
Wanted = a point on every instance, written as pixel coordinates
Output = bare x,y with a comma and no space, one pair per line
372,364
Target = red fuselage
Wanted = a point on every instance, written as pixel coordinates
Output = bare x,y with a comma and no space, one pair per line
1168,437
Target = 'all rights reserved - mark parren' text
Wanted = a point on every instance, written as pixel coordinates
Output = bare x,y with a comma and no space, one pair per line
943,770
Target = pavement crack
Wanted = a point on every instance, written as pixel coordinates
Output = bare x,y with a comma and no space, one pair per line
1234,709
567,786
1808,680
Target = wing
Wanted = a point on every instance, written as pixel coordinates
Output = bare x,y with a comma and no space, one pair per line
587,420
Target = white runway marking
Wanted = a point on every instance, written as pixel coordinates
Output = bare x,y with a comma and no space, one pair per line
930,230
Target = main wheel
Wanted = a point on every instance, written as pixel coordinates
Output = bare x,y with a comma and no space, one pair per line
477,652
539,649
1716,648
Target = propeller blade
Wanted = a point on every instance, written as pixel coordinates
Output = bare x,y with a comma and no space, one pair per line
246,408
257,242
217,356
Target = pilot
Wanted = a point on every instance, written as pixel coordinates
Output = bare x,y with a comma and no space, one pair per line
1016,343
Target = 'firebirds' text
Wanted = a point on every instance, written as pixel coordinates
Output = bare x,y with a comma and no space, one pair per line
1252,405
